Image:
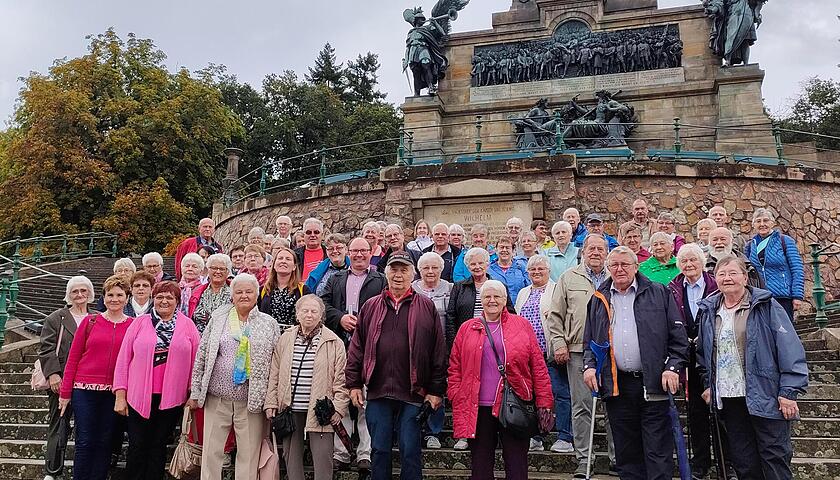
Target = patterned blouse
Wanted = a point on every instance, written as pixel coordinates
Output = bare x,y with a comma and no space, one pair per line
283,306
730,371
208,302
531,312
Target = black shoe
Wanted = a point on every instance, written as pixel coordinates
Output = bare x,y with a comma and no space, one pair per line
699,474
340,466
613,472
363,464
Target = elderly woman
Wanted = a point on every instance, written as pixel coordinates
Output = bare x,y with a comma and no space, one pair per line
152,380
140,300
631,237
667,222
307,366
534,304
530,247
299,239
153,264
255,263
507,269
230,379
475,384
283,289
704,228
56,338
692,285
205,299
372,233
564,254
336,261
256,236
662,266
430,265
754,365
422,240
122,267
456,235
192,265
89,378
777,260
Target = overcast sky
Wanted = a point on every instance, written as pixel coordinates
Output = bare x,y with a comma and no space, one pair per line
799,38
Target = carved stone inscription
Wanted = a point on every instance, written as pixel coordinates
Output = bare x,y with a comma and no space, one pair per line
492,214
581,85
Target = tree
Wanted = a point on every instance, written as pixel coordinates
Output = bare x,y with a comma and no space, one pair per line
327,72
362,79
111,120
816,110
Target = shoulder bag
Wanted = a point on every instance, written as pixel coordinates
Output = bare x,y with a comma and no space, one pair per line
283,423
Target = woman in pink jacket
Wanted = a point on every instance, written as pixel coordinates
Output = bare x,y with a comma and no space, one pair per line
475,384
152,380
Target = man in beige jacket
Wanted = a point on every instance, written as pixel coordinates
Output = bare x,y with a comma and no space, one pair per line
564,329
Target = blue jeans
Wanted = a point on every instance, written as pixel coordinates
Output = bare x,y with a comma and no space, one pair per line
434,425
562,400
384,417
94,412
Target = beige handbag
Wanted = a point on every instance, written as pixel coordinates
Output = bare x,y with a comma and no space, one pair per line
38,381
269,465
186,460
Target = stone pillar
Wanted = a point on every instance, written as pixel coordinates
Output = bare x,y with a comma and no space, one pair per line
423,117
741,107
230,184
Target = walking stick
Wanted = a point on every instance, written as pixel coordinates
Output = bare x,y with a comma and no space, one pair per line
679,440
591,437
600,352
717,441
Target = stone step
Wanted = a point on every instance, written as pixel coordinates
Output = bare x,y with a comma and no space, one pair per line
822,355
814,344
824,366
24,415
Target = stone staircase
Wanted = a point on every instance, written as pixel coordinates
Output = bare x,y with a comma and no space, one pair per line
23,416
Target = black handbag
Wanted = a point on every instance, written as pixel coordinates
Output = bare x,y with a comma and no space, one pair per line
516,416
283,423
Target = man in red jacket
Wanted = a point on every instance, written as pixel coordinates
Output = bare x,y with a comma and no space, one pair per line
206,229
398,352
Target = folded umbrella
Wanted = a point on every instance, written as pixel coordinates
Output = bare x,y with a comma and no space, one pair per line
324,410
679,439
600,351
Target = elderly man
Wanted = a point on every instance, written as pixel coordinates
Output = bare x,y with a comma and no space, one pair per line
313,252
595,224
283,225
399,354
544,240
579,232
563,255
153,265
721,218
237,259
344,296
441,246
514,227
395,242
336,261
721,245
206,229
478,234
667,223
641,219
564,326
648,347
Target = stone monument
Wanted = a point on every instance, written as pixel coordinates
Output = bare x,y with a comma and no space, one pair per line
574,56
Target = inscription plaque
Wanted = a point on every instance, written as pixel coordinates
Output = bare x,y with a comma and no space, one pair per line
493,214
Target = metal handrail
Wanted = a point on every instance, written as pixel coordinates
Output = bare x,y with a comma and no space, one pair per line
818,290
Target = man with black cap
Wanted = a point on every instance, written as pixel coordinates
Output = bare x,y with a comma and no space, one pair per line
398,352
595,224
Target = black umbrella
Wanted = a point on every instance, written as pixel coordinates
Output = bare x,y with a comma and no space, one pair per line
324,411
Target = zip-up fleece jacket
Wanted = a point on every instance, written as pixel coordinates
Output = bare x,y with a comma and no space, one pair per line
524,367
93,355
426,344
663,343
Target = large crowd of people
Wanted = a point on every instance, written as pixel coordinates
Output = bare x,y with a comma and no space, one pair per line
352,345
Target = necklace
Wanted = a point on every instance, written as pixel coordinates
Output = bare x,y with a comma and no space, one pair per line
733,306
497,324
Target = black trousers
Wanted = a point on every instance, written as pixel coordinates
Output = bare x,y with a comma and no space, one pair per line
761,447
147,441
58,433
699,422
644,444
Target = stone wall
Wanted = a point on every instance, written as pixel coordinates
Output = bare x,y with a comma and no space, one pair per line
806,200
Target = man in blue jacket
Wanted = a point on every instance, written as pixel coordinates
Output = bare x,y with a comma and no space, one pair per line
648,347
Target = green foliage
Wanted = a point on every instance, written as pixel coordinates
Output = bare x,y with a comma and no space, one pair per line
327,72
816,110
146,217
362,78
111,120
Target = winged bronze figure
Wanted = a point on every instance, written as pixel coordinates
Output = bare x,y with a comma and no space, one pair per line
426,40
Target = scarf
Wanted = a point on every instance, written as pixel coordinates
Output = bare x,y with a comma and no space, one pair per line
186,293
308,337
164,330
763,244
242,361
261,274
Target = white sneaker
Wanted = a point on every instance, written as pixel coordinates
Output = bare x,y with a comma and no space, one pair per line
461,444
49,477
536,445
562,446
432,442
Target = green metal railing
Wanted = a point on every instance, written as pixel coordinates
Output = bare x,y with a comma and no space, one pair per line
31,252
817,252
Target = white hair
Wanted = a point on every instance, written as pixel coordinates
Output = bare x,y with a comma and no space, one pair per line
443,225
247,278
219,258
570,210
529,234
537,259
78,281
661,236
371,224
256,232
282,217
315,221
622,250
152,256
125,262
192,258
691,249
561,224
455,228
514,221
763,213
430,257
493,285
476,252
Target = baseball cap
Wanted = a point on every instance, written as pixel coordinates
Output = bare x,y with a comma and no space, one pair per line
400,257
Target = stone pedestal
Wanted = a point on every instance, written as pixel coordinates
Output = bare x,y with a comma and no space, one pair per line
423,117
744,127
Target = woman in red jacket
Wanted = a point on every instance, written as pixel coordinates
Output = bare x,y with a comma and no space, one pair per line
475,384
89,379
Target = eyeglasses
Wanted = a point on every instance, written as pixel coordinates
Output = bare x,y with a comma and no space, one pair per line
358,252
218,269
336,248
621,266
152,265
312,232
252,256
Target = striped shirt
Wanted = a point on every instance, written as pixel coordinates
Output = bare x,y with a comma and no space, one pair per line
478,308
303,366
